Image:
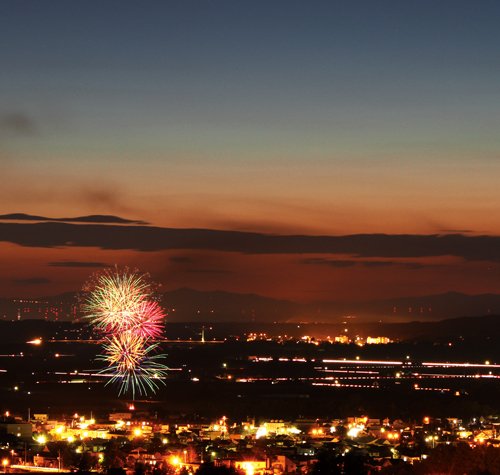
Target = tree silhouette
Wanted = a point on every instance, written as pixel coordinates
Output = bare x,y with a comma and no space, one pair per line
328,464
208,468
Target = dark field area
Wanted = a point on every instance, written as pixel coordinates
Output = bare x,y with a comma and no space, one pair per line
271,379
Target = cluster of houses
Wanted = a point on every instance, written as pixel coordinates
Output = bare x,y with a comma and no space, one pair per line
255,448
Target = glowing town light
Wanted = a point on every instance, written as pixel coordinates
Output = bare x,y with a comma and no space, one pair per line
35,341
353,432
261,432
41,439
248,468
175,461
374,362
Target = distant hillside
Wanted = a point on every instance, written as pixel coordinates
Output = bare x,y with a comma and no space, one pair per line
188,305
425,308
219,306
192,305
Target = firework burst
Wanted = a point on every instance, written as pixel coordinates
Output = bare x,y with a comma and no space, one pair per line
115,299
150,320
133,363
121,305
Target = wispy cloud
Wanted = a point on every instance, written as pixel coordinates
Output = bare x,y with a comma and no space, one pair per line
17,123
78,264
181,259
210,271
341,263
32,281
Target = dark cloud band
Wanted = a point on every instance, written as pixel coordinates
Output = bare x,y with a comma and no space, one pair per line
94,218
341,263
145,238
84,264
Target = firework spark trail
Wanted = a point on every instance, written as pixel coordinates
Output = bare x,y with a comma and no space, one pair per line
135,366
124,351
121,305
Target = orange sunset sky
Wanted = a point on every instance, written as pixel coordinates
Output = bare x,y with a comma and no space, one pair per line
331,119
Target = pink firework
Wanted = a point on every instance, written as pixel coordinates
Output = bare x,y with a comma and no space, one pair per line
150,317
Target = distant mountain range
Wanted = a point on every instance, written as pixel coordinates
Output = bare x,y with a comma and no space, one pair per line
424,308
192,305
188,305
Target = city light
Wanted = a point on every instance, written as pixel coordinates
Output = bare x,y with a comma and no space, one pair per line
248,468
175,461
353,432
35,341
261,432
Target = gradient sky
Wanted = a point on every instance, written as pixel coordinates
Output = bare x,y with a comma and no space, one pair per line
324,117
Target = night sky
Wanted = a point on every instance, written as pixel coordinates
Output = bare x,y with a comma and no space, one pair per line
272,118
